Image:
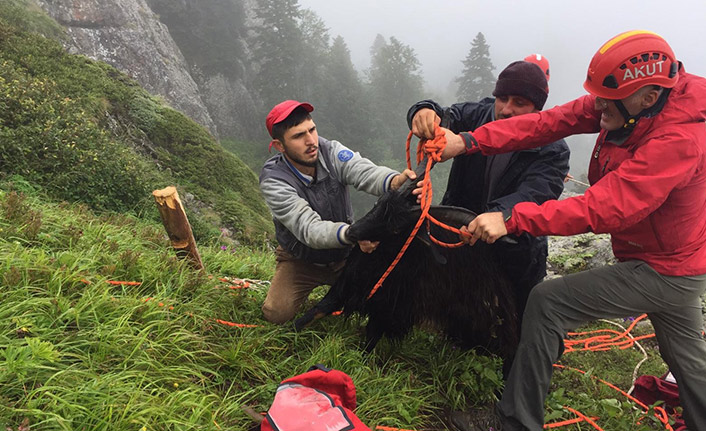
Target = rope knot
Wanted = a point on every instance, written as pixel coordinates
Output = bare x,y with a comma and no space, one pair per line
432,148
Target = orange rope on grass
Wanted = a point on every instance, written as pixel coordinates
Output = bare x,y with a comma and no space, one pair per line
584,417
660,413
115,283
237,325
608,338
221,321
123,283
235,283
560,424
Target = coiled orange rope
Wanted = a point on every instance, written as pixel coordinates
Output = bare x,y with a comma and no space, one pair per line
606,339
431,149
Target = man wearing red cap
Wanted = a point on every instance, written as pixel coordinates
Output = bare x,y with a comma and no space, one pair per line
497,183
648,190
305,186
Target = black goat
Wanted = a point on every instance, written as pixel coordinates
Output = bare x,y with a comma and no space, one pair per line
460,291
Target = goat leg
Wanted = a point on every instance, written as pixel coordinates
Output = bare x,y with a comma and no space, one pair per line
312,315
373,334
329,303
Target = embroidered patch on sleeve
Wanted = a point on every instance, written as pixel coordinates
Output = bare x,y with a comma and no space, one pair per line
345,155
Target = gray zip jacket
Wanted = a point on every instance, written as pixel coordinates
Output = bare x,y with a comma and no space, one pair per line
312,216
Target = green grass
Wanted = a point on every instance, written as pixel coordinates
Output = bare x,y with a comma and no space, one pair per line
79,353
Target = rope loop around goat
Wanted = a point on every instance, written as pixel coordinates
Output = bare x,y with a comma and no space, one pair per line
432,149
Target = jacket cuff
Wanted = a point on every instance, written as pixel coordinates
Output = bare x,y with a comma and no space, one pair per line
510,221
387,183
342,235
420,105
469,142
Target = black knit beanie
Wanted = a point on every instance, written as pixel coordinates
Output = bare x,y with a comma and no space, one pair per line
522,78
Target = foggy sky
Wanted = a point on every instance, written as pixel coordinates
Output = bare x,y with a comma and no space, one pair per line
567,32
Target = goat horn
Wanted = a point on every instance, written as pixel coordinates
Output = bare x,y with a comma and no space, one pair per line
453,216
409,185
457,217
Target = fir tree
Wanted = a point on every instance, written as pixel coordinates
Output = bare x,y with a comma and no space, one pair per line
395,83
278,50
477,80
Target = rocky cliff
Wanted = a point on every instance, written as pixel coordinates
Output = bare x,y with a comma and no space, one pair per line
128,35
213,36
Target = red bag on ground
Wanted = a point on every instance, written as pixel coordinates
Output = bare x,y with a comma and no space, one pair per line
650,389
321,399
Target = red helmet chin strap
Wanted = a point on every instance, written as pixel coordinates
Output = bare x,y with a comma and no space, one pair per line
631,120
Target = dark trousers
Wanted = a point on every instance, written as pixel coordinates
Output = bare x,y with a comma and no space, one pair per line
556,306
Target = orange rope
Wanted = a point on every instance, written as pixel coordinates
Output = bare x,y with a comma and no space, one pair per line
237,325
221,321
432,149
235,283
584,417
116,283
660,413
435,147
123,283
567,422
608,338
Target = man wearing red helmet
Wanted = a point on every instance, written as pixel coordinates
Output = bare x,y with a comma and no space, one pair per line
540,61
305,187
648,190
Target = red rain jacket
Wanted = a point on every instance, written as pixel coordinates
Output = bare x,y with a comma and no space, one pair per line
649,193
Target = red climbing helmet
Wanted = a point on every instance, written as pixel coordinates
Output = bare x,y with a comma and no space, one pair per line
630,61
540,61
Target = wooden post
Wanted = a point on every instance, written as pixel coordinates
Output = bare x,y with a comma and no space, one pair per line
177,225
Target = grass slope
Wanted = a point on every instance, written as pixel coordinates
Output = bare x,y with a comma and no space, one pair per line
79,353
87,133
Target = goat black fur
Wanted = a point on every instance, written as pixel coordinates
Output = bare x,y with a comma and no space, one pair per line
468,298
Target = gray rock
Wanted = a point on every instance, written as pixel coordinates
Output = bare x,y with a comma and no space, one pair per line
129,36
578,252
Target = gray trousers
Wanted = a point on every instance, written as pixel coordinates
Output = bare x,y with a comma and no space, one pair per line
556,306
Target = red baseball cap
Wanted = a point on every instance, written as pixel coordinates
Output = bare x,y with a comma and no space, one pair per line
282,110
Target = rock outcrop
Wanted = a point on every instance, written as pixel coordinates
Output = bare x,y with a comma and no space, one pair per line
128,35
579,252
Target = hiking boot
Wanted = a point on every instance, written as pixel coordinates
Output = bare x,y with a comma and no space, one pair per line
476,420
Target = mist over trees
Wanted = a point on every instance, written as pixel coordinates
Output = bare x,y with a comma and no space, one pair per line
294,57
279,51
476,80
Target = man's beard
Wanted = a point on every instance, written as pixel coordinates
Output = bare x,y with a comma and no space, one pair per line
307,163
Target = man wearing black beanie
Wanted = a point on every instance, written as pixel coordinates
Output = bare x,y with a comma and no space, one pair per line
523,79
497,183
